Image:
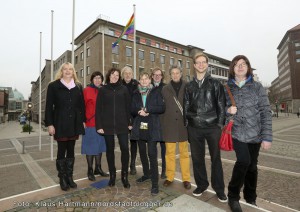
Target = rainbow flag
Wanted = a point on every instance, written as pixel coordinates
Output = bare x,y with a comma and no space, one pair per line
129,29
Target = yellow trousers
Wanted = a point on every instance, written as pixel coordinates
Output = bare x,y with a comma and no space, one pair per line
183,158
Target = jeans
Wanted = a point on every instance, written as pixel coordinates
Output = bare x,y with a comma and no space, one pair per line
244,171
197,137
110,152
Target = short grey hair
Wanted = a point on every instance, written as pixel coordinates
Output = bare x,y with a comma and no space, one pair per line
175,67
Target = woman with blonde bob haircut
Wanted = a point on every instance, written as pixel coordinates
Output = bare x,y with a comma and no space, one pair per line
65,117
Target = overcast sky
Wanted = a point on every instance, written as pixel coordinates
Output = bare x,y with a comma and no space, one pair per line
223,28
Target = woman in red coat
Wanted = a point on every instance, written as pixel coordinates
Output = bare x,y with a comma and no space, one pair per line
93,144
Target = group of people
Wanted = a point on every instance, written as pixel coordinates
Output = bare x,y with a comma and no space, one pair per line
149,112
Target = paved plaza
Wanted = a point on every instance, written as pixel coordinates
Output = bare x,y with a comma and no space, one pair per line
28,178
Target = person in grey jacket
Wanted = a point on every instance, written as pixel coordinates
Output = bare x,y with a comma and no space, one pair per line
252,129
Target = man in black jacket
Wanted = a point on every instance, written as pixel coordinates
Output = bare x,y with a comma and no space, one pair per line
204,113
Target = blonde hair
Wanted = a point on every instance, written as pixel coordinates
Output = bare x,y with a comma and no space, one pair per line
145,73
126,68
59,73
200,55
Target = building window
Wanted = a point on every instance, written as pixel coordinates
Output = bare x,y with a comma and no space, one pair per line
171,61
187,64
167,47
298,60
111,32
76,59
175,50
141,69
179,62
148,42
162,59
18,105
298,52
137,39
141,54
88,70
152,56
157,45
128,51
115,50
81,56
88,52
81,73
115,65
297,44
125,37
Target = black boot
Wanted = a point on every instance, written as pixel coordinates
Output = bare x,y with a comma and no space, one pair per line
90,174
133,153
112,179
163,172
98,169
70,166
124,178
61,168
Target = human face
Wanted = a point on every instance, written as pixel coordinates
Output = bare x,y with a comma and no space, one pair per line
97,80
67,72
157,76
201,65
127,74
240,69
145,81
114,77
175,75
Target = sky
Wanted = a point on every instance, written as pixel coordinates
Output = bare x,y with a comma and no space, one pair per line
223,28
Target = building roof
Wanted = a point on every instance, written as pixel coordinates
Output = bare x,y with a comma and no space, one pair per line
295,28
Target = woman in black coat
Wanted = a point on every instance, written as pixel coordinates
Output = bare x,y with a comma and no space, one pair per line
65,117
147,104
113,117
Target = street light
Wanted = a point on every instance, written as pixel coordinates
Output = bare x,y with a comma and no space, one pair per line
29,108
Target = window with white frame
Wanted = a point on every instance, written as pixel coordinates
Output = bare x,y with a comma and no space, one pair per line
152,56
298,52
187,64
298,60
157,45
81,55
162,59
76,59
175,50
179,63
128,51
167,47
81,73
141,54
88,52
171,61
115,50
115,64
297,44
88,70
111,32
141,69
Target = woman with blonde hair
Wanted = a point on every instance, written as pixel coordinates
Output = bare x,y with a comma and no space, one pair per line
65,117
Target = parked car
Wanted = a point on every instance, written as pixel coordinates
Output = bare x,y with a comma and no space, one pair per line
22,120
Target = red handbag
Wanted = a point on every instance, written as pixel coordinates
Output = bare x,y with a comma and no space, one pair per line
225,142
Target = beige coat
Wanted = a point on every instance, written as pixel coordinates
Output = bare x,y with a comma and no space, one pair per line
172,120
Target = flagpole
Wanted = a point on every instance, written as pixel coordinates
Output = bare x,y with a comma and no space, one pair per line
40,94
51,78
73,30
134,43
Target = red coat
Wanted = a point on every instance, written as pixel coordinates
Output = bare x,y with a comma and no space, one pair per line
90,96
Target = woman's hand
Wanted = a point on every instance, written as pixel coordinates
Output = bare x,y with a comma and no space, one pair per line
84,126
266,145
130,127
143,113
100,131
232,110
51,130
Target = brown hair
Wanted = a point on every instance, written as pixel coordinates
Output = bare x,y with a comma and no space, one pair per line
200,54
234,62
96,73
110,72
158,69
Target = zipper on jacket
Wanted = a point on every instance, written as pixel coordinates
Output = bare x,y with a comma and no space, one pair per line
114,111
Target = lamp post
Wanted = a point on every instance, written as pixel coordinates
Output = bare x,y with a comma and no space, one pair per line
29,107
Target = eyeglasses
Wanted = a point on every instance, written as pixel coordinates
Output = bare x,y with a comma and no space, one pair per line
157,75
199,63
242,65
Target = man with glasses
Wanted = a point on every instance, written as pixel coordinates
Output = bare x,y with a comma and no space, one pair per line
157,81
204,114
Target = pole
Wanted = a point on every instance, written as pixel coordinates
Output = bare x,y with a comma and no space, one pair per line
73,31
51,137
103,71
134,43
40,94
84,64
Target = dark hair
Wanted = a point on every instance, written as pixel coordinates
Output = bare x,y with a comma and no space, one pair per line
96,73
234,62
110,72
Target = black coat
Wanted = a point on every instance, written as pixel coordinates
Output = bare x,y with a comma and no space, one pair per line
65,109
113,109
155,106
131,86
204,106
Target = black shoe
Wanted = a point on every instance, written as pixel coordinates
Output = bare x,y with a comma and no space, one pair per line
99,171
252,203
142,179
154,191
132,170
198,192
124,179
90,174
163,175
235,206
112,180
222,197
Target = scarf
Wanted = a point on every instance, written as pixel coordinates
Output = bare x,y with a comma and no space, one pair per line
144,92
69,85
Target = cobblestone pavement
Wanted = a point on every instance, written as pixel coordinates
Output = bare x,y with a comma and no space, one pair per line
279,174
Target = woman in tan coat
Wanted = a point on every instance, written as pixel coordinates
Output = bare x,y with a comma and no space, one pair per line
174,130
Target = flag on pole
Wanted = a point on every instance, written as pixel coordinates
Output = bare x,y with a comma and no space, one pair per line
129,29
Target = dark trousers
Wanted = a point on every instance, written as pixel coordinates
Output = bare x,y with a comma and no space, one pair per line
197,139
152,153
110,152
244,171
163,155
65,149
133,151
